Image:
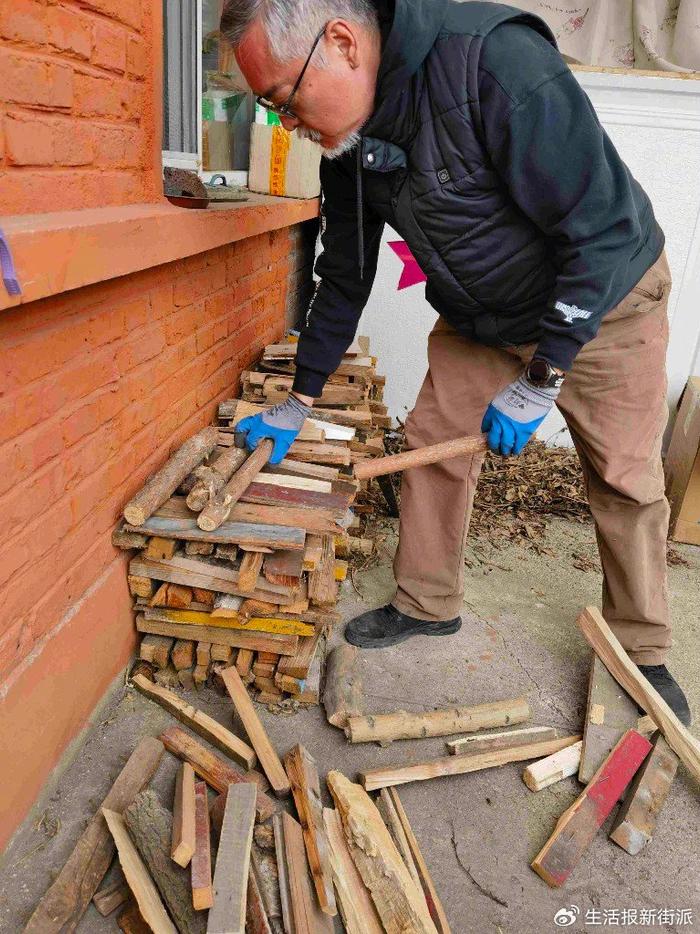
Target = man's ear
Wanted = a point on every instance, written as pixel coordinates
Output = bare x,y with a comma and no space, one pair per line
341,36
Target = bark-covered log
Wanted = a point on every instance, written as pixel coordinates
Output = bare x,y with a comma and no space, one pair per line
150,826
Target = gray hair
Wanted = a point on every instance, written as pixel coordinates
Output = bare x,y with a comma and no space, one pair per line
292,25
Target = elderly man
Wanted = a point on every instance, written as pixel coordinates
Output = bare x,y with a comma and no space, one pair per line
461,126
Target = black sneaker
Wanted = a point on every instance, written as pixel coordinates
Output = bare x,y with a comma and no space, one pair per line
386,625
661,679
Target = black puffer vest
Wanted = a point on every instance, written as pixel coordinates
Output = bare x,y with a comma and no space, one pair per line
427,175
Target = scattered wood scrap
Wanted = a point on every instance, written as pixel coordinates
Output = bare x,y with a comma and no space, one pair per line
636,820
554,768
198,721
610,712
506,739
268,758
111,896
356,906
202,892
604,643
150,827
579,824
303,910
228,913
306,788
183,838
400,905
65,902
459,765
142,886
437,912
210,767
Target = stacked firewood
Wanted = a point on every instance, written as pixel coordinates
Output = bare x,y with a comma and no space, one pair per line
239,560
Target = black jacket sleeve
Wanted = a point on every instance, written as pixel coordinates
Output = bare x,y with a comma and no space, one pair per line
562,170
341,294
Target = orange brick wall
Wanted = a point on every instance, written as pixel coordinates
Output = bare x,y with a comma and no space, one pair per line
79,125
97,387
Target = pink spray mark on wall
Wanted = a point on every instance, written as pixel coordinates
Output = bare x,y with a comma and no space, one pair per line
411,274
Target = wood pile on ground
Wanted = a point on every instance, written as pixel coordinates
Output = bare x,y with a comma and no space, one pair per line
246,837
239,561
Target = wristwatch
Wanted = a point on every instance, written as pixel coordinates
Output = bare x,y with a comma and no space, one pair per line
543,375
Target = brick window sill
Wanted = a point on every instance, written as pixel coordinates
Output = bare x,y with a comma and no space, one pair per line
54,253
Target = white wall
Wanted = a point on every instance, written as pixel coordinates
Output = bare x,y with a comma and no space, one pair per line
655,124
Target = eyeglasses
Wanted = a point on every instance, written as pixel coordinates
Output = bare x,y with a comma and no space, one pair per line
283,110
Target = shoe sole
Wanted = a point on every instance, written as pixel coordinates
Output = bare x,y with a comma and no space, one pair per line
430,629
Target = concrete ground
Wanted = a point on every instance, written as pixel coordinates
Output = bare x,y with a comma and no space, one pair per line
478,832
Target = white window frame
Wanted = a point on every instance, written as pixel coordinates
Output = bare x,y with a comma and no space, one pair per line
193,160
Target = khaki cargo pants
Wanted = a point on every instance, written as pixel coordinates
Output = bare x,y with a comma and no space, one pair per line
614,403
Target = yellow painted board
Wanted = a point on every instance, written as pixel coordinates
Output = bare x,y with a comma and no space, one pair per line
285,627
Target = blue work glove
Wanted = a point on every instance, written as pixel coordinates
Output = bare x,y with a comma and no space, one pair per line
282,423
515,415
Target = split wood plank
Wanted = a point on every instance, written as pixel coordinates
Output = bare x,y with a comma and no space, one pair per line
402,725
111,896
319,453
285,561
210,480
164,483
199,722
282,875
553,768
150,826
219,508
487,742
323,587
460,765
610,712
437,912
270,494
636,820
356,907
399,903
204,653
251,566
278,625
304,911
215,772
245,534
228,913
142,886
385,806
237,638
123,539
202,892
221,653
64,904
182,844
292,480
267,757
172,595
129,920
342,695
604,643
578,825
256,919
306,789
299,469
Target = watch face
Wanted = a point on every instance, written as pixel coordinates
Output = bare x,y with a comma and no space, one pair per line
538,371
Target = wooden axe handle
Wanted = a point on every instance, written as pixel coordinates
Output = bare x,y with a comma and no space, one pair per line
377,467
